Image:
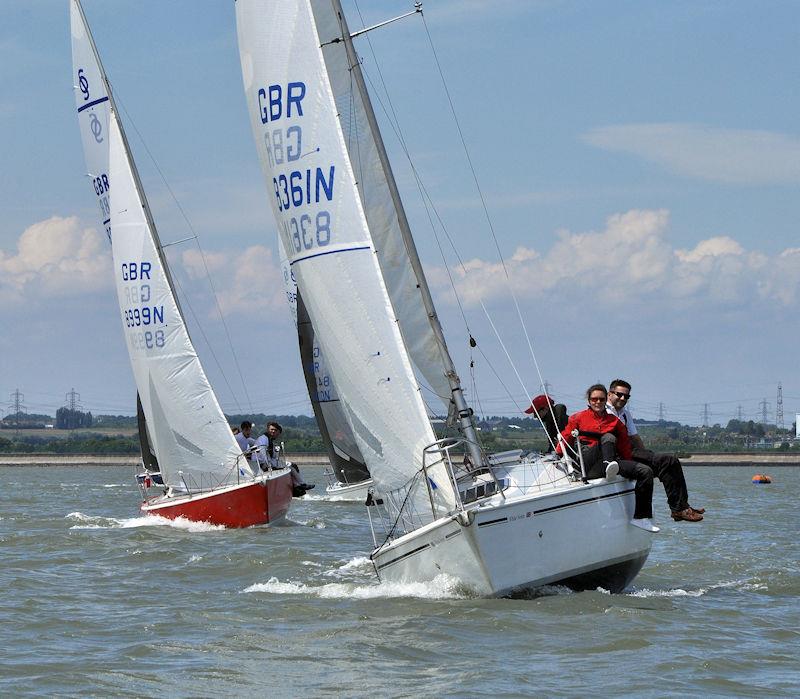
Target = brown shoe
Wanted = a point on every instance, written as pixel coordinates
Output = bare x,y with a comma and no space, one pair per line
699,510
687,515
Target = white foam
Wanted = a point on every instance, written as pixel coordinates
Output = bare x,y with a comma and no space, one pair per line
310,496
116,485
194,558
315,523
741,585
96,522
358,564
441,587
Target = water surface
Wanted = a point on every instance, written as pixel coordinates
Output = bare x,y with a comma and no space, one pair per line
101,601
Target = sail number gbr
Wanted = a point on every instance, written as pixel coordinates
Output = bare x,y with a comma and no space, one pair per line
137,312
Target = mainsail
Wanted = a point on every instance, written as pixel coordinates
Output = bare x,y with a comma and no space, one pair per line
190,436
94,104
324,227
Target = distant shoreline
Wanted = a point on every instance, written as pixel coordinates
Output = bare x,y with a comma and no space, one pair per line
754,460
128,461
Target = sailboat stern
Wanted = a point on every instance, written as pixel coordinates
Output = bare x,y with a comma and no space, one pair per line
264,500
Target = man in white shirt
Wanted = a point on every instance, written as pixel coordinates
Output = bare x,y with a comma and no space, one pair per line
666,467
267,455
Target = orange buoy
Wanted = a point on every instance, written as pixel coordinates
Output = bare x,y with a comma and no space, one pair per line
761,478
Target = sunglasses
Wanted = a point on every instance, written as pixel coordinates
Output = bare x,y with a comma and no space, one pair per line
597,399
623,396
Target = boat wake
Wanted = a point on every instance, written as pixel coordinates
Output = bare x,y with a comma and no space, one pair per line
441,587
738,585
97,522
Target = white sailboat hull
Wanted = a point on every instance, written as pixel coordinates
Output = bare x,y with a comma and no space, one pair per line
355,492
578,536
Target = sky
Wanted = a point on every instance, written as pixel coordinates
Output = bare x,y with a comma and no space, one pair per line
639,163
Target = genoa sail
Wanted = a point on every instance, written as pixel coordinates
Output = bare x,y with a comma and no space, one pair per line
188,433
345,458
322,222
148,457
340,444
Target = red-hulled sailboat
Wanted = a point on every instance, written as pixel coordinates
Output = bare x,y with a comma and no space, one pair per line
201,474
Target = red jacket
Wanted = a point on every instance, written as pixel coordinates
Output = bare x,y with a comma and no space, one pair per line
590,422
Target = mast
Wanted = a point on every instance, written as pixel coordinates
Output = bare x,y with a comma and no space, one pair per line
139,188
465,413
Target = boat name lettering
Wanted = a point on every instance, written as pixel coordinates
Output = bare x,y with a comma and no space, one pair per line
105,208
137,294
296,189
100,184
282,149
305,235
147,339
131,271
147,315
271,101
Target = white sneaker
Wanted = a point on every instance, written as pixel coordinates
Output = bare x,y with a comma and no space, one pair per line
645,523
612,469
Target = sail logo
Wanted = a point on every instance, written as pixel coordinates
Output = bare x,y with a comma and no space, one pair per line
96,127
83,84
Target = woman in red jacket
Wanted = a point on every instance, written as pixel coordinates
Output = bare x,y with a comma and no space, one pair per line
601,437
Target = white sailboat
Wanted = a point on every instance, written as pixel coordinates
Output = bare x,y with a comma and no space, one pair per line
499,523
205,475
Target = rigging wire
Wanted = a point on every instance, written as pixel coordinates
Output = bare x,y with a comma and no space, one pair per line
429,206
491,229
205,266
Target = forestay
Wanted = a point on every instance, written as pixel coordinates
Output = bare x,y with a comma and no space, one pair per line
191,437
323,225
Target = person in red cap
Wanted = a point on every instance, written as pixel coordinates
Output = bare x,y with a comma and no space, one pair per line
552,415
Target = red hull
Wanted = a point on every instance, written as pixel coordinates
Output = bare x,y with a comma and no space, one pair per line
239,506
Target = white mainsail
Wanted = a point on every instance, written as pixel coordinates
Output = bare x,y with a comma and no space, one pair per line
323,224
190,435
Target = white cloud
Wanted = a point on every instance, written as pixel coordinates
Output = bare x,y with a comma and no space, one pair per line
54,258
734,156
631,263
246,280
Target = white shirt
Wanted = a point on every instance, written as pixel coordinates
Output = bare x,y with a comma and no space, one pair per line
625,416
244,442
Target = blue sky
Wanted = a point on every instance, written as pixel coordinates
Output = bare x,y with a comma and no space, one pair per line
640,162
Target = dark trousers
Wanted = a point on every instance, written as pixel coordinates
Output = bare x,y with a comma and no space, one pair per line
553,420
668,469
594,459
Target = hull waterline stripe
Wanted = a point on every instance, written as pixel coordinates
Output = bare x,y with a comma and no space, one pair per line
92,104
328,252
581,502
493,521
405,555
